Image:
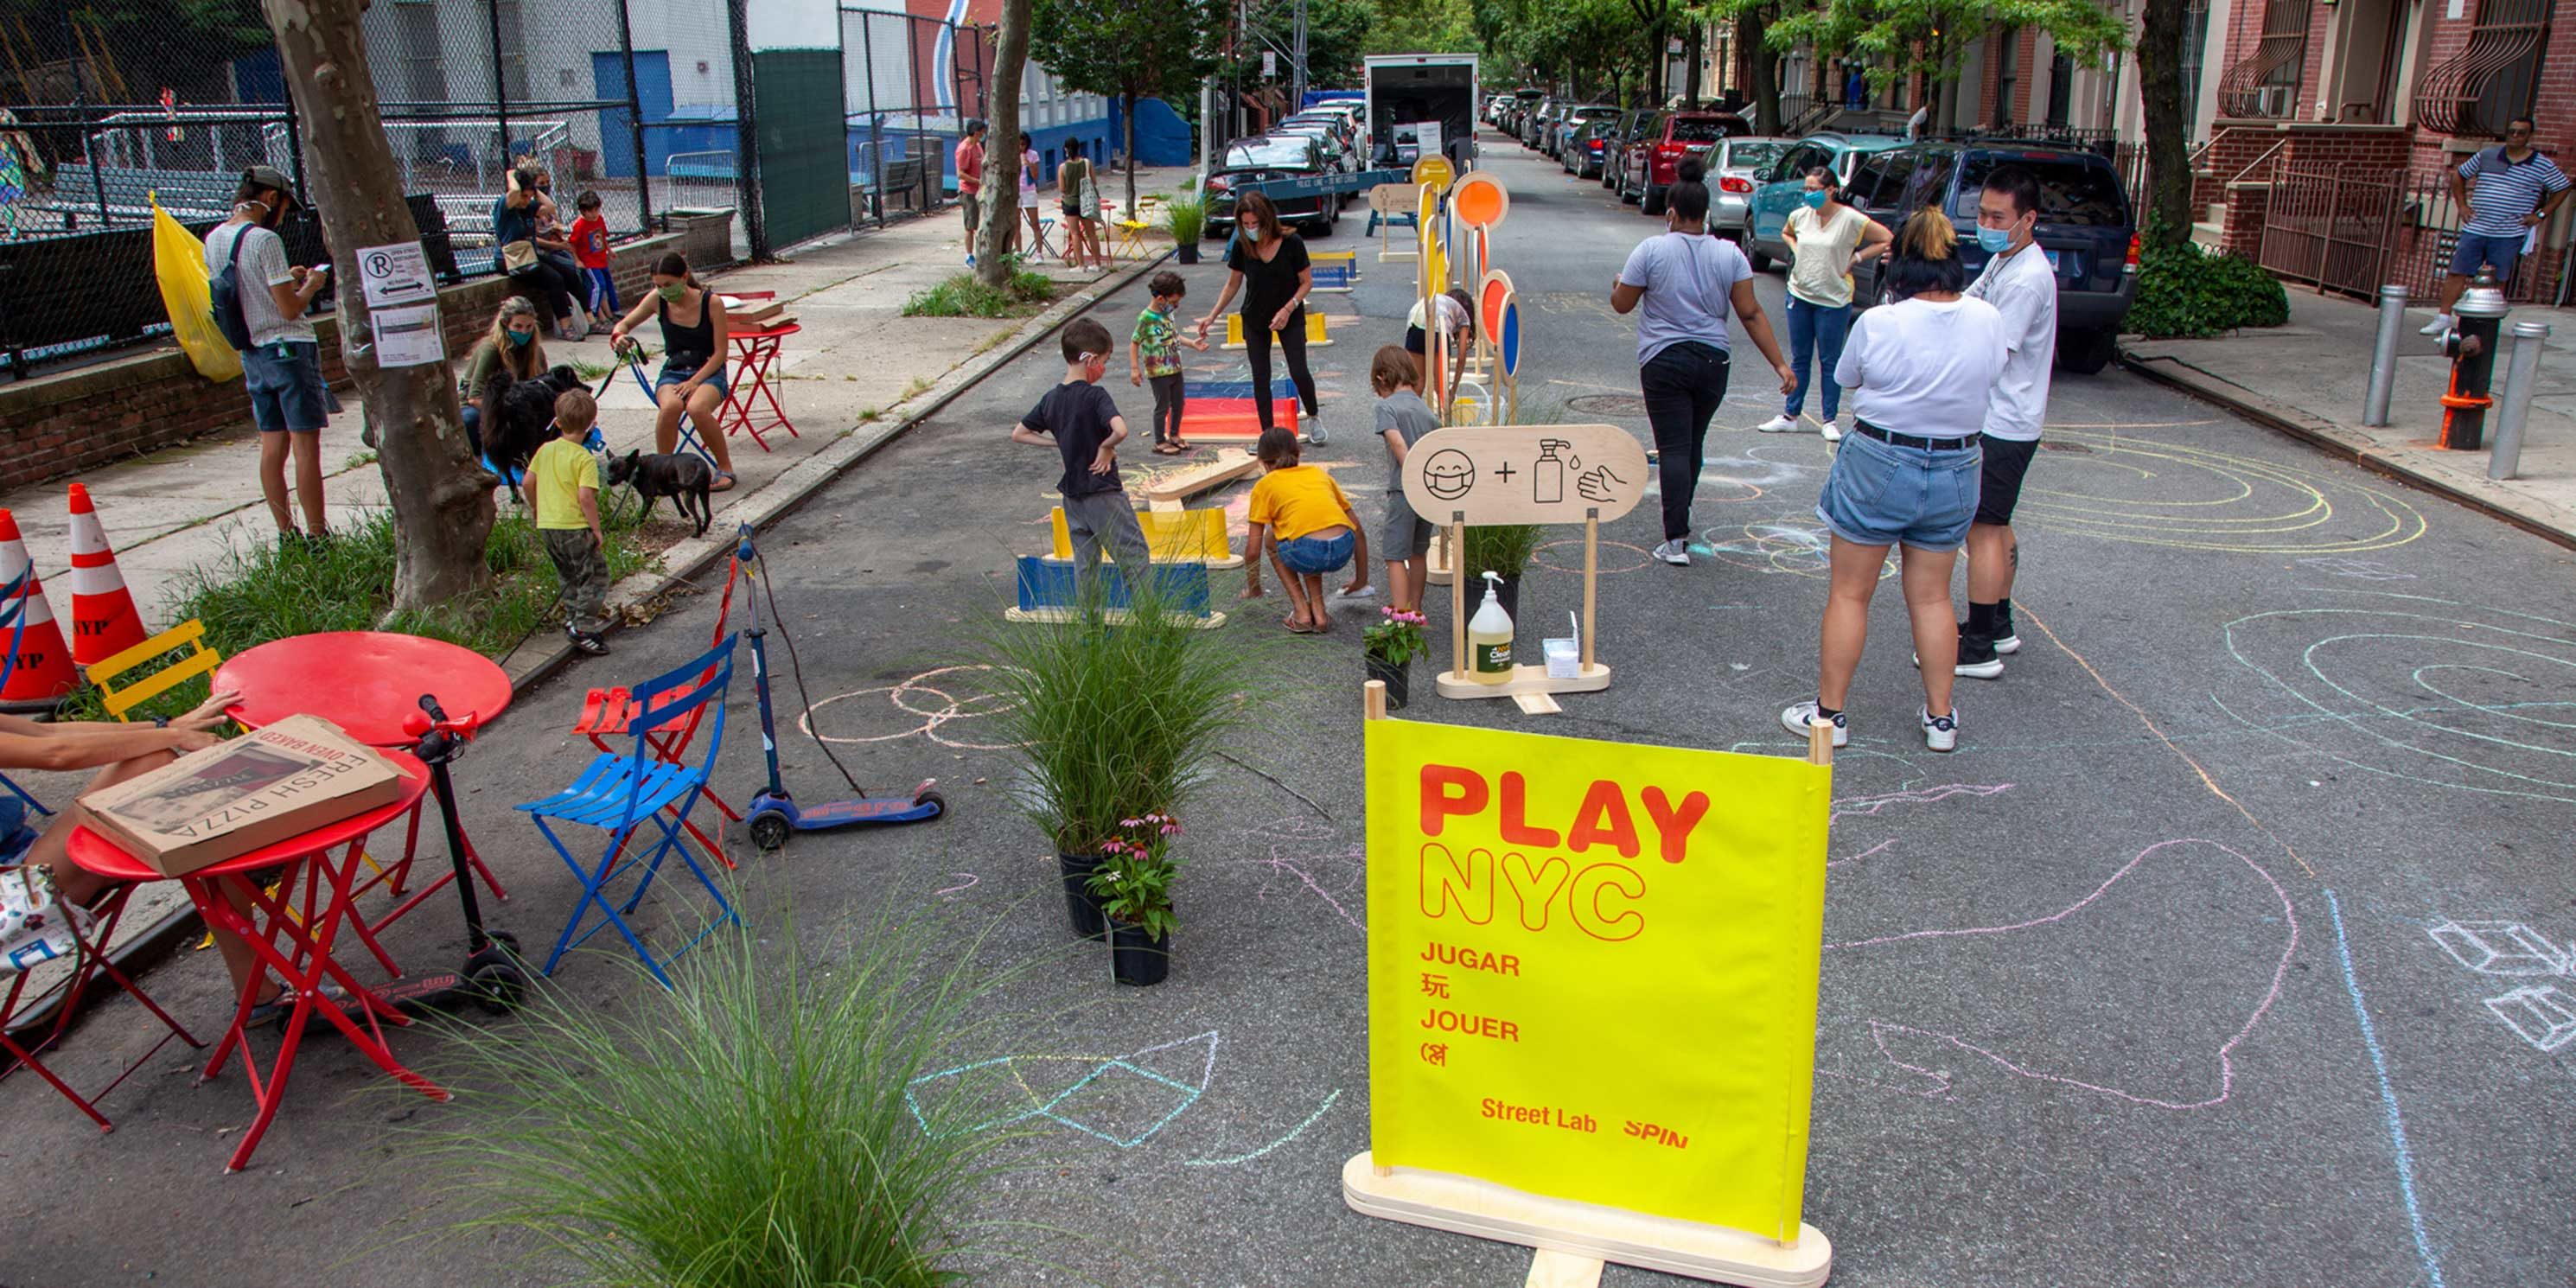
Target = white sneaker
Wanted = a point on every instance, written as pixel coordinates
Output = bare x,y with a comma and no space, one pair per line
2441,322
2008,645
1940,733
1676,553
1833,432
1780,424
1364,592
1315,430
1802,717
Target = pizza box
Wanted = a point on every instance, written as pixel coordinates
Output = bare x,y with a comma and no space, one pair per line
237,796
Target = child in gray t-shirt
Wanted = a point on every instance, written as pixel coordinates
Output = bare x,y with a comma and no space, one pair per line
1402,419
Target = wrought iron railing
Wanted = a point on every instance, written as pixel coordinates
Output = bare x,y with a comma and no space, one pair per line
2492,78
2266,83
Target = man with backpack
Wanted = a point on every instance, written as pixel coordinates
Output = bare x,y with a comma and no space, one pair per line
260,302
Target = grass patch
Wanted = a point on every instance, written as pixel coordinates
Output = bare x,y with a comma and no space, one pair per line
360,459
962,296
268,592
915,388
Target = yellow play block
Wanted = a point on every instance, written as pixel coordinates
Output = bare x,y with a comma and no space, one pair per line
1174,536
1315,336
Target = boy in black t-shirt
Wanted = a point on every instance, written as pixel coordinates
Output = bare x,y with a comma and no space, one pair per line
1081,421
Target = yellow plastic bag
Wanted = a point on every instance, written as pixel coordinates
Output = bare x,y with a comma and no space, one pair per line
187,291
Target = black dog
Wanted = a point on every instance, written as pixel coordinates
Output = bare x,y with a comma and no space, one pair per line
519,415
678,476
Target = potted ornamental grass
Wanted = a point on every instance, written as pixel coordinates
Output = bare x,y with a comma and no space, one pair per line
1113,715
1186,215
1388,649
1133,885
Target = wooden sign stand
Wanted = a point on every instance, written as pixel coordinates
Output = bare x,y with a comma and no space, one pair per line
1573,1240
1457,681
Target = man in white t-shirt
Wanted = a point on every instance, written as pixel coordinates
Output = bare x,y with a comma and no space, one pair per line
2019,283
282,369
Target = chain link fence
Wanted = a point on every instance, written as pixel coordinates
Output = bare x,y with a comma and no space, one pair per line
909,84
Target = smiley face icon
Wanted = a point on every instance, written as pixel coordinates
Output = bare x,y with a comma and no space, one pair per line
1448,474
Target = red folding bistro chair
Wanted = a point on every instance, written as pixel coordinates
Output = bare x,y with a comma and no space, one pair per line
89,962
755,357
611,712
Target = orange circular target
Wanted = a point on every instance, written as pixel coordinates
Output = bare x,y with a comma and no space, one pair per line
1492,294
1480,200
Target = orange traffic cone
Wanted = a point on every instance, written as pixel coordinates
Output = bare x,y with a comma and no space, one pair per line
40,670
104,622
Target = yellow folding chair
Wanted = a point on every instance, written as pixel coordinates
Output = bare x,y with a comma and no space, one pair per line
188,639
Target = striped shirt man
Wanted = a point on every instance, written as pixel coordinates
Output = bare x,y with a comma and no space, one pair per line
2517,190
2506,190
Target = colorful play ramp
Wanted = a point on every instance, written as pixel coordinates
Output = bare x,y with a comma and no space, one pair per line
1049,591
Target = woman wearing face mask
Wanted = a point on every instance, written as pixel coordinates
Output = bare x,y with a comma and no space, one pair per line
512,345
1682,286
694,337
514,220
1270,269
1827,240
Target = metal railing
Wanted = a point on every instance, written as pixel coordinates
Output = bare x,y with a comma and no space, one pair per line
2334,227
698,180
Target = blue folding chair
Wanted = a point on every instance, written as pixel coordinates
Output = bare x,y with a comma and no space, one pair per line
688,433
13,615
619,792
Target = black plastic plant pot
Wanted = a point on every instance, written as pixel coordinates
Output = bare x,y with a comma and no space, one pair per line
1396,675
1081,906
1136,957
1188,252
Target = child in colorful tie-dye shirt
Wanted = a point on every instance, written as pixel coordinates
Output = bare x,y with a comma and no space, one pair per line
1154,353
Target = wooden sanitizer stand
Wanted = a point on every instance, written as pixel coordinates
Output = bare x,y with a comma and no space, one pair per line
1456,683
1573,1240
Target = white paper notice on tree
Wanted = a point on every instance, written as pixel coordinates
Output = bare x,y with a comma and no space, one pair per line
408,336
394,275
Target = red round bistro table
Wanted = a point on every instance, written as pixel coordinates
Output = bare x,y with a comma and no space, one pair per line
297,926
369,683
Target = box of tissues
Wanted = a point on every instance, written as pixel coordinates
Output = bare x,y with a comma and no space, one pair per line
1564,656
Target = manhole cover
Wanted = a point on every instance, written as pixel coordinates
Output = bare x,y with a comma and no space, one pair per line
1608,405
2072,449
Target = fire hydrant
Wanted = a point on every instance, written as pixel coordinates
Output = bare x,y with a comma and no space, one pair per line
2471,346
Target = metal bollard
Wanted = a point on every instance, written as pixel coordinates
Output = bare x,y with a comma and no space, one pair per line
2383,355
2514,409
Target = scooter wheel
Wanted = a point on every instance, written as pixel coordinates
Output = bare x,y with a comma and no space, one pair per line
498,986
938,805
769,830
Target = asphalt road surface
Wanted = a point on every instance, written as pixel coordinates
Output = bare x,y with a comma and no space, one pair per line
2254,869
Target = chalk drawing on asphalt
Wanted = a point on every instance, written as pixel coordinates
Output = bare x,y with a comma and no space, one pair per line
1123,1100
2499,948
1293,1133
2539,1014
936,709
1304,855
2358,569
2168,494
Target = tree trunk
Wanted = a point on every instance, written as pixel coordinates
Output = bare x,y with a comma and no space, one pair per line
1751,26
1690,60
442,498
1130,116
2160,39
1002,159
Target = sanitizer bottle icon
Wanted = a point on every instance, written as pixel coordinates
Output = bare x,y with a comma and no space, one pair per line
1547,473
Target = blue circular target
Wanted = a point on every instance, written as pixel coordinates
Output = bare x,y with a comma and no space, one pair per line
1511,337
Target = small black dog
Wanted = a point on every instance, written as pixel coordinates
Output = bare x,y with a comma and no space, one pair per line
519,415
678,476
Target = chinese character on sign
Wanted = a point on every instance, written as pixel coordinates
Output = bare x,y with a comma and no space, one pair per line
1436,1053
1434,985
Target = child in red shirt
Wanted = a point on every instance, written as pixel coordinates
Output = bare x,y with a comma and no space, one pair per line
590,250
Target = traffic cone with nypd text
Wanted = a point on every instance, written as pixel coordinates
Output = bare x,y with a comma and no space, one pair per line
40,667
104,622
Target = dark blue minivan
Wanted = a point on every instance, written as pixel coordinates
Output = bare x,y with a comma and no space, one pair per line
2085,226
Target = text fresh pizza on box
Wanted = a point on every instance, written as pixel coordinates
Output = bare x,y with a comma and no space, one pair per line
290,778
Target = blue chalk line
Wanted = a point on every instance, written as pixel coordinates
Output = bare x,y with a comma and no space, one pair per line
1300,1130
2387,1097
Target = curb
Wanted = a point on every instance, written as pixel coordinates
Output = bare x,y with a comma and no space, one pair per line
684,561
2326,436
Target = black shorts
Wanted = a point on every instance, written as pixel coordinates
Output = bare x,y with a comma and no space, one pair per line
1413,341
1999,489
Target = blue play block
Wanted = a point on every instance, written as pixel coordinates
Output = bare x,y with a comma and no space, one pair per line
1281,388
1045,583
1336,274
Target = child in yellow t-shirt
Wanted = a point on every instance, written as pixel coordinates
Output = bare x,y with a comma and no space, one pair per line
1301,514
563,500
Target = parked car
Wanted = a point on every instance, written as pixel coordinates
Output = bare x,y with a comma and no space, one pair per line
1535,126
1636,129
2086,227
1338,156
1523,100
1267,157
1779,191
1651,163
1584,148
1735,167
1332,119
1575,118
1494,105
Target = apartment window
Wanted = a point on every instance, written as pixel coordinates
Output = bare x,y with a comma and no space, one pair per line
2492,79
2195,52
2061,89
2266,83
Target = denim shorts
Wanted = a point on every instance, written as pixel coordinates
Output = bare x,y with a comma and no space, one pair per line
285,383
2476,250
1318,555
1882,495
680,376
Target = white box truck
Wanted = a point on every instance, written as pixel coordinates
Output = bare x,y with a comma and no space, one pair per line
1407,91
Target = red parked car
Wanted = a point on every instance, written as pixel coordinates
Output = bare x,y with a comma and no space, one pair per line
1652,161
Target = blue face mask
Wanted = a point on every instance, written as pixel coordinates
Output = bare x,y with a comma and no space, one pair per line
1994,241
1815,200
520,339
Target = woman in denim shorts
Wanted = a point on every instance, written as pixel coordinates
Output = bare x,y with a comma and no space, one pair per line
1918,372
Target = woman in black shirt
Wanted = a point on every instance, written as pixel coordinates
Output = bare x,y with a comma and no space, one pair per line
1270,269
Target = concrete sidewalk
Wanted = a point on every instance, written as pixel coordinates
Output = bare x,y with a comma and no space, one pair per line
2308,379
857,360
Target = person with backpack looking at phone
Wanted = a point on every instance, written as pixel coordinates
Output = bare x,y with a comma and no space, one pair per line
260,302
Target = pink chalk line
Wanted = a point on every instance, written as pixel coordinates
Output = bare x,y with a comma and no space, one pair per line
972,881
1835,863
2226,1052
1865,806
